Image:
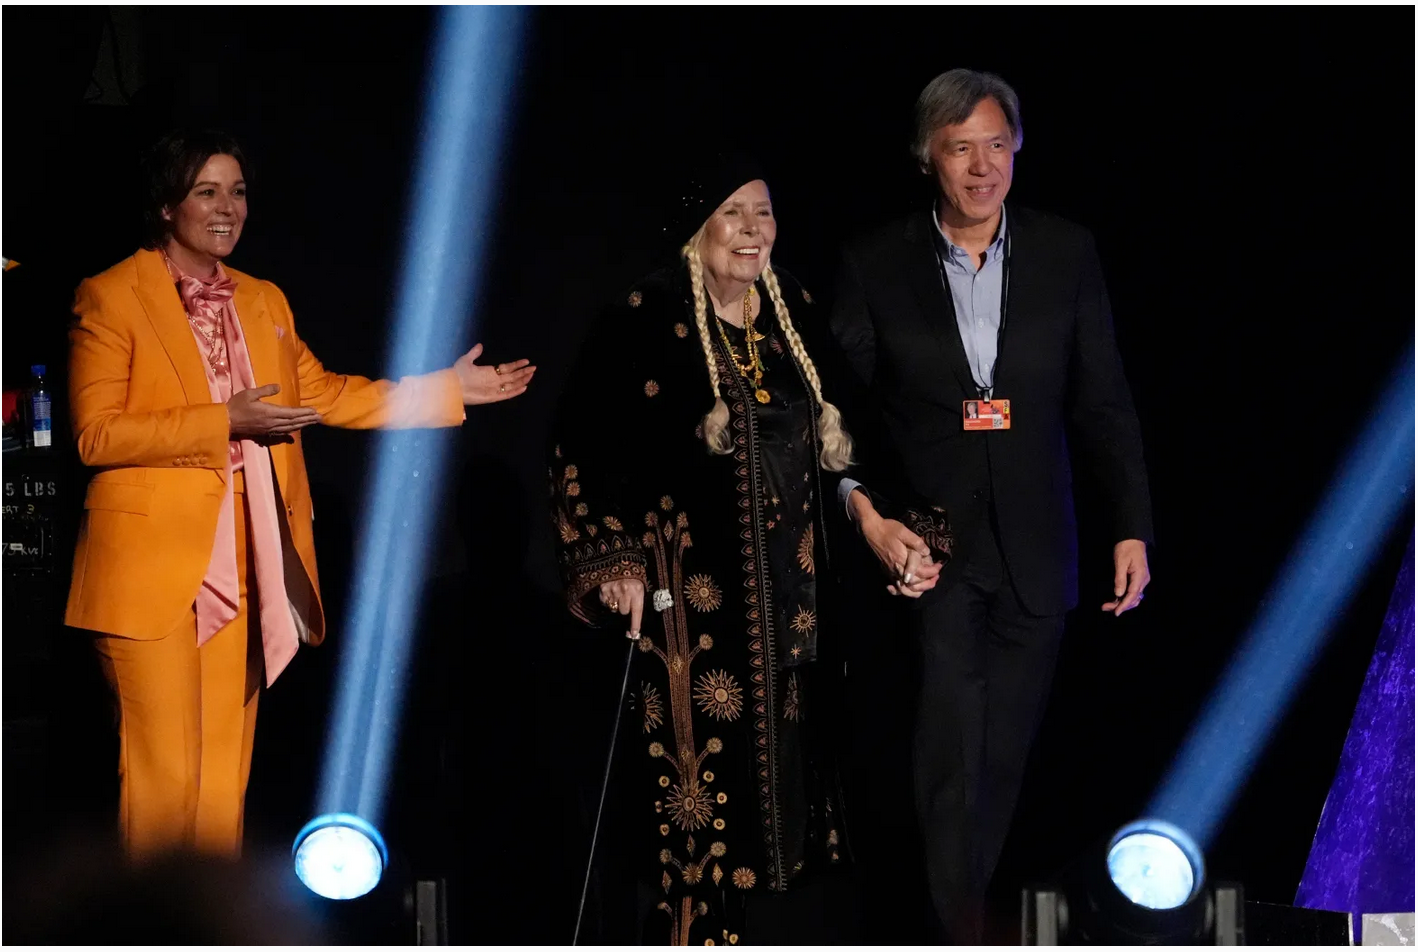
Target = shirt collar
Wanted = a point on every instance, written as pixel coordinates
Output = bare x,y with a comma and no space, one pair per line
952,250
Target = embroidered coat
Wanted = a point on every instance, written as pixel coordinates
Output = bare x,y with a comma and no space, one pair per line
736,791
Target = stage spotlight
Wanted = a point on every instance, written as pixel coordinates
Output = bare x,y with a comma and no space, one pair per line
1145,885
1328,563
339,856
468,107
1154,864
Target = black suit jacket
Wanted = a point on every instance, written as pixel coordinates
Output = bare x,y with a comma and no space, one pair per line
1058,365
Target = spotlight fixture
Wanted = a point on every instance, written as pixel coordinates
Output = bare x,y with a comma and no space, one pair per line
1155,865
339,856
1145,885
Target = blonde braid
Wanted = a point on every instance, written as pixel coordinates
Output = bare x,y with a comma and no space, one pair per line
716,421
836,442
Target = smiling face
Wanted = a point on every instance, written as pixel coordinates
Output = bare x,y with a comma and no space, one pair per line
207,224
973,162
738,237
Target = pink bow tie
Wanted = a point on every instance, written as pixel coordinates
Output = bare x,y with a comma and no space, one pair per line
197,295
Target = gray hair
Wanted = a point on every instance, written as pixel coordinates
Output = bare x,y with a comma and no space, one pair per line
952,96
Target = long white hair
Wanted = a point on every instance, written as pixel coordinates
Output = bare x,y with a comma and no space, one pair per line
836,442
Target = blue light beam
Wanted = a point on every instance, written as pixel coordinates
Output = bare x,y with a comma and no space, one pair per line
1369,492
468,99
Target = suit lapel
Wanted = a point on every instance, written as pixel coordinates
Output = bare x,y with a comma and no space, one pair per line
263,349
259,332
157,292
1023,287
935,307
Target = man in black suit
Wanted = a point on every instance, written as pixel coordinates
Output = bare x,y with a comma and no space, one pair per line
973,301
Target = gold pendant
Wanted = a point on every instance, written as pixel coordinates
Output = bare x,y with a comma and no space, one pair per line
754,336
761,395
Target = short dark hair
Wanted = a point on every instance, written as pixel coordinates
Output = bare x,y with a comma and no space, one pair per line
170,169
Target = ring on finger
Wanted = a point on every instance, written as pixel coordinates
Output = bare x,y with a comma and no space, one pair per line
497,369
908,578
502,389
614,606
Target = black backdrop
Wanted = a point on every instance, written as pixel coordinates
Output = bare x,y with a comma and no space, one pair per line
1248,174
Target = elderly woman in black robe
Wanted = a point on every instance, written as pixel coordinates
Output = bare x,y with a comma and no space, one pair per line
707,532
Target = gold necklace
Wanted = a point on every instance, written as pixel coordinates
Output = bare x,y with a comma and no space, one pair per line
752,369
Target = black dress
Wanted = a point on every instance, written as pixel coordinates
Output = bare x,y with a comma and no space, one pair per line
735,793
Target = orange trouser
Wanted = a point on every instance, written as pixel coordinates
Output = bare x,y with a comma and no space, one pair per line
186,721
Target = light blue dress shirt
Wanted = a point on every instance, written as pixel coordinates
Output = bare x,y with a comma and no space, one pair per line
977,294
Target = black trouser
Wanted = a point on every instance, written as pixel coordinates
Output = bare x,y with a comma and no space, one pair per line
986,667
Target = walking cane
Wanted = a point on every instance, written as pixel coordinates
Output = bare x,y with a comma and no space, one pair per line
605,783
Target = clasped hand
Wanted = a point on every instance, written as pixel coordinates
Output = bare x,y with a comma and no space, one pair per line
903,555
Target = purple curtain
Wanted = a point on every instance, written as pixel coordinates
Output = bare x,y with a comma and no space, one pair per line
1362,858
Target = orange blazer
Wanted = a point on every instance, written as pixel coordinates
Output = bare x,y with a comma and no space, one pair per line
144,417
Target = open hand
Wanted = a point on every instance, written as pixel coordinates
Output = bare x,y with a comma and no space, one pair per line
627,597
491,383
254,419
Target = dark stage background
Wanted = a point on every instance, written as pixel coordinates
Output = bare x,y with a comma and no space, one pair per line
1248,175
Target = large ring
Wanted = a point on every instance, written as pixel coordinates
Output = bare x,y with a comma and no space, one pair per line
614,606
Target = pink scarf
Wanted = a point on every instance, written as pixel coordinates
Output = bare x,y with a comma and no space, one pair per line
217,329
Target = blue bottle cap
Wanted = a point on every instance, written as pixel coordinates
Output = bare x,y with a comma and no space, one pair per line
37,370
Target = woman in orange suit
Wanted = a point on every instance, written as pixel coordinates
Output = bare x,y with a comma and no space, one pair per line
195,565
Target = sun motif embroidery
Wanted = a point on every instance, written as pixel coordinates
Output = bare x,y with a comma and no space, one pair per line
702,592
666,503
719,695
745,878
805,550
804,621
569,532
653,708
582,509
635,298
692,873
571,472
776,345
681,331
651,388
573,489
792,702
690,805
613,524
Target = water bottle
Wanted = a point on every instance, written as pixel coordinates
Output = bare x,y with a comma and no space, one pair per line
41,414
